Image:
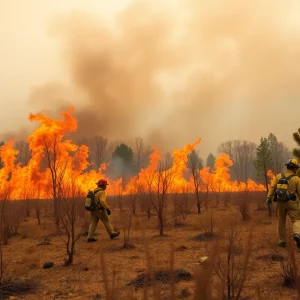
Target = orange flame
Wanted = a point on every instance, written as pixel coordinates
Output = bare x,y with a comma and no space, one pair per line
52,155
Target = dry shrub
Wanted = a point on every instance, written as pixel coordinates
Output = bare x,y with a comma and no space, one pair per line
70,210
227,198
207,225
244,209
126,218
288,266
180,208
12,289
232,269
145,204
12,214
37,209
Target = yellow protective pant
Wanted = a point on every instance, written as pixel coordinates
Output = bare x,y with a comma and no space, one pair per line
290,208
95,217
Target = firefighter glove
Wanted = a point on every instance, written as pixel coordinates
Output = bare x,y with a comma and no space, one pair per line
269,203
108,212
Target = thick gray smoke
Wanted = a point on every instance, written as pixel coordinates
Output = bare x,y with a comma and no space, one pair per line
219,70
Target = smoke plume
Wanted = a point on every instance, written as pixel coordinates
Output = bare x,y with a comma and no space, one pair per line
219,70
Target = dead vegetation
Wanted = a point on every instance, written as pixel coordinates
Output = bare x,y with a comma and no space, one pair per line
70,221
17,288
232,269
127,224
207,226
160,277
149,268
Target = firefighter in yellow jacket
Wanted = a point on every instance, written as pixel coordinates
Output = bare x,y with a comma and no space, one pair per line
287,198
102,213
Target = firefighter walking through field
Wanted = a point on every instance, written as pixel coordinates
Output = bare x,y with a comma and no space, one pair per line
285,190
101,213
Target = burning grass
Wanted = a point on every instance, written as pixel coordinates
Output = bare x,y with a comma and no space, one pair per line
55,160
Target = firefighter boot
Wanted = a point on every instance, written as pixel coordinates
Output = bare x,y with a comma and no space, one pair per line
297,240
114,235
92,240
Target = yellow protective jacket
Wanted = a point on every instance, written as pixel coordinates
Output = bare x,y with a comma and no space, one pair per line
100,198
293,188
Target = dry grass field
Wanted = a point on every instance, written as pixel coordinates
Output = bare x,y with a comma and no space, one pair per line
227,252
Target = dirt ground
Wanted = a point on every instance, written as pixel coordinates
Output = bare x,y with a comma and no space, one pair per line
24,257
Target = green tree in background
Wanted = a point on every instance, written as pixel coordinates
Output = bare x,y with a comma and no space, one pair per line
122,165
210,161
263,160
279,153
194,160
296,136
125,153
296,151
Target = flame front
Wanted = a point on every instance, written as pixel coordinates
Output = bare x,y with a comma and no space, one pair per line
56,162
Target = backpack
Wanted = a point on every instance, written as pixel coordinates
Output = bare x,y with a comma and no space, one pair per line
90,204
282,189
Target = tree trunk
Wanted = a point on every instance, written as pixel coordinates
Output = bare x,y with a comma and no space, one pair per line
161,225
198,203
56,213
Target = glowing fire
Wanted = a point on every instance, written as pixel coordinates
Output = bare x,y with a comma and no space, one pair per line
56,161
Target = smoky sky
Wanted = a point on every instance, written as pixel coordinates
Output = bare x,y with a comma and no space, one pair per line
218,70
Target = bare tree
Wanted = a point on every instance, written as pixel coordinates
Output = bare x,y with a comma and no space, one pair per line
207,184
145,202
218,188
4,197
57,163
241,153
195,164
279,153
133,191
127,222
244,208
2,266
208,224
158,186
99,150
37,209
141,153
25,196
24,154
70,212
234,269
181,208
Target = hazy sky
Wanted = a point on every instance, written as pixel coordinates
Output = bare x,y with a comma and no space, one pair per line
170,71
